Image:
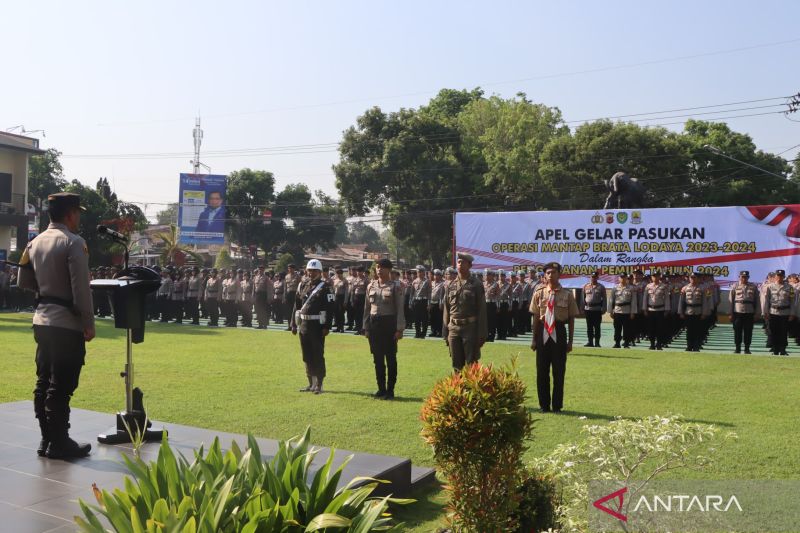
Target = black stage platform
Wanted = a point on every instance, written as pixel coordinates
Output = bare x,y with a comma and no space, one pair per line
39,495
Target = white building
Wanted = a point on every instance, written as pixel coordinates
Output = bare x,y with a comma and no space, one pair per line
14,153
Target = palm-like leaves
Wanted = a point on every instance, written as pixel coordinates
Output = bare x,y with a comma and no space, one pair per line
172,246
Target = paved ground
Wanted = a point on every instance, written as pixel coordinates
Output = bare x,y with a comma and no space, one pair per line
40,495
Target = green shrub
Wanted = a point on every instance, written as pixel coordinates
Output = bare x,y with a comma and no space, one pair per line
477,424
538,500
237,492
630,451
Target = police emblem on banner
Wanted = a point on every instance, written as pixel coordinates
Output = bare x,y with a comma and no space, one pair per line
622,217
597,218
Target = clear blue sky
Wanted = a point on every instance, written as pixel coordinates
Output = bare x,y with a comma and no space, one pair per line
129,77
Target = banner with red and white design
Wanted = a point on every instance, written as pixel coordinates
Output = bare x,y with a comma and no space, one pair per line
721,241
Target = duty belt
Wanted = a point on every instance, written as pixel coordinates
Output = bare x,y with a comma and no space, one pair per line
419,298
491,301
463,321
435,302
626,304
781,308
309,317
751,302
58,301
657,307
694,305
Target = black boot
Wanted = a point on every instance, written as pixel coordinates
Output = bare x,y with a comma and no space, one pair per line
61,445
380,378
45,442
318,388
310,386
389,394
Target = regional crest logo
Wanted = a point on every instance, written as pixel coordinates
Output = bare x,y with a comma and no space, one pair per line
622,217
636,217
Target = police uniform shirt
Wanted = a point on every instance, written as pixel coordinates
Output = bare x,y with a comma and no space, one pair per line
516,292
505,292
437,292
246,291
60,261
657,297
292,282
360,286
178,289
492,292
465,300
212,288
340,287
564,306
422,289
780,299
193,287
695,300
310,301
744,298
594,297
385,299
623,300
165,289
278,287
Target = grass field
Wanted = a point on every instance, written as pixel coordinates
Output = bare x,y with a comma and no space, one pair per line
246,381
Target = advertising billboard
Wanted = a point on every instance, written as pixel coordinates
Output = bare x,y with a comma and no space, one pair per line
201,208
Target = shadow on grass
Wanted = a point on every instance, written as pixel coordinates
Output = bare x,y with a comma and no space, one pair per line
604,356
608,418
429,506
369,395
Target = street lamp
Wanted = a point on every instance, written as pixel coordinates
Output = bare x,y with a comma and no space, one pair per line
717,151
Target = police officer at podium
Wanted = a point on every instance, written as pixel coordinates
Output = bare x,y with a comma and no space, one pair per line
57,268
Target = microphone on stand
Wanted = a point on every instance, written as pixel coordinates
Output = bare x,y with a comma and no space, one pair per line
111,233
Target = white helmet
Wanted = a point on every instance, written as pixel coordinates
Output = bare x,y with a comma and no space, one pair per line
314,264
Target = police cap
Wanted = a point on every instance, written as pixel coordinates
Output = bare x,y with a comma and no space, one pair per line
420,268
383,263
465,257
595,274
552,265
781,273
744,273
437,272
64,201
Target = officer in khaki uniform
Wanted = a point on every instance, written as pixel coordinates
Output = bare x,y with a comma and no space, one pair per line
421,294
594,305
744,302
193,287
56,266
694,308
781,304
623,306
292,282
656,303
464,321
384,322
340,289
435,306
554,310
211,296
492,289
312,316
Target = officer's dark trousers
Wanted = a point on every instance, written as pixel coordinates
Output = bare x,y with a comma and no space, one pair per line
288,305
435,320
525,311
778,326
338,322
491,319
742,329
192,310
312,344
409,314
351,315
694,332
655,328
383,347
593,320
502,321
513,319
177,310
358,311
622,328
60,355
246,309
163,307
262,309
421,317
551,354
212,305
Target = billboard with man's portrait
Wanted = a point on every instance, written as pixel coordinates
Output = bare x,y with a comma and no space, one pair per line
201,209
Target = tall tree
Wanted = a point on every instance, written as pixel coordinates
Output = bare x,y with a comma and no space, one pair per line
45,177
412,167
168,215
249,194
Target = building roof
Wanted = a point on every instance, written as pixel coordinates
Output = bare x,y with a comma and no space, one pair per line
12,141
